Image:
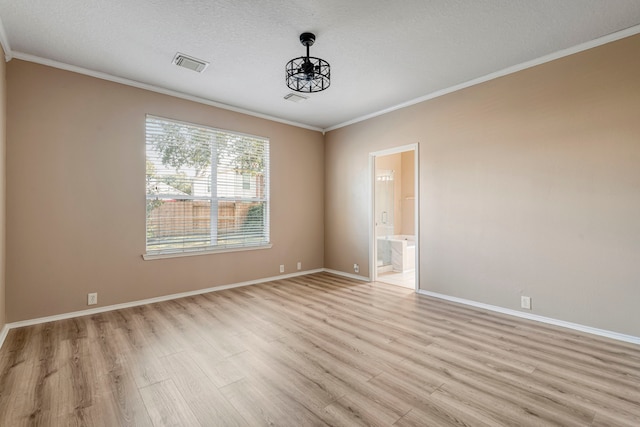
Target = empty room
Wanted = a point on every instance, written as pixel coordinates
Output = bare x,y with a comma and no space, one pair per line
340,213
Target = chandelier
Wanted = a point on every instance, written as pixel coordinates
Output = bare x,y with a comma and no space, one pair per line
307,73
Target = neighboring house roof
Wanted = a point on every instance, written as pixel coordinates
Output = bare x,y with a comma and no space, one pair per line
159,187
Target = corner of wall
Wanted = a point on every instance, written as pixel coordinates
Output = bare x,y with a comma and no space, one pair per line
3,133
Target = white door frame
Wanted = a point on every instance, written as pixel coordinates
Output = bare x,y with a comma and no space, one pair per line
373,271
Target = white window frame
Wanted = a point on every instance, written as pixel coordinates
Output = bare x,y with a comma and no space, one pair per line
213,198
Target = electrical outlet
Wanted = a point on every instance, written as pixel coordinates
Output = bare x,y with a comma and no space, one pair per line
281,268
299,265
92,298
356,268
525,302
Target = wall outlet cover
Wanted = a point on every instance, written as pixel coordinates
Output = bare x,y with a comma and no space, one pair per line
281,268
92,298
525,302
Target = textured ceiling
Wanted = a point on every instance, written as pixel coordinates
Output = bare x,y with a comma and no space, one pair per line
382,53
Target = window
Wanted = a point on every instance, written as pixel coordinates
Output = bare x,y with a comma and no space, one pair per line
198,198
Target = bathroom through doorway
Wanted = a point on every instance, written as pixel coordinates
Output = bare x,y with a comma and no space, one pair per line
394,216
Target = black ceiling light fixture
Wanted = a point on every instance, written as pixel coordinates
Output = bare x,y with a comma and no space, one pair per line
307,73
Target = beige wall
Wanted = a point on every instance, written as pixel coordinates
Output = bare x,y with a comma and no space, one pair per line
3,115
407,196
529,184
76,205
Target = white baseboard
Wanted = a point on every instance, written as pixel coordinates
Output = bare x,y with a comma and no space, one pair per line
3,334
106,308
29,322
349,275
562,323
570,325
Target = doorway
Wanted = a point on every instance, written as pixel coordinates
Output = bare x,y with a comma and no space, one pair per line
394,216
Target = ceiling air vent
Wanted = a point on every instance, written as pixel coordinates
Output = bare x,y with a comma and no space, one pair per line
294,97
186,61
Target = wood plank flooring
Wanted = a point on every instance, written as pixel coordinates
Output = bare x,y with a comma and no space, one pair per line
314,350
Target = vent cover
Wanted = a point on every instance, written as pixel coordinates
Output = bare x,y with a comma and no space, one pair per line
294,97
186,61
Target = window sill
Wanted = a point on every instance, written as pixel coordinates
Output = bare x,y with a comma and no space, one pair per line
151,257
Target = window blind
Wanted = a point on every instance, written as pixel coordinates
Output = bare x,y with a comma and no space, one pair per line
206,188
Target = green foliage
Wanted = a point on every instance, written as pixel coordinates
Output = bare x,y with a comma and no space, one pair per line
180,182
254,219
181,146
244,154
151,174
186,146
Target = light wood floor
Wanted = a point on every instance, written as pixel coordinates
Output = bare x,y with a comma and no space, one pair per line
314,350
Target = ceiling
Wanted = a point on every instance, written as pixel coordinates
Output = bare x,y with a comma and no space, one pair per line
382,53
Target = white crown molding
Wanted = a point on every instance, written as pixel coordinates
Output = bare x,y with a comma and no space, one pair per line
153,88
631,31
510,70
569,325
106,308
4,41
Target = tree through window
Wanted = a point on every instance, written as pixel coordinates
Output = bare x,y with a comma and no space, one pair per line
206,188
